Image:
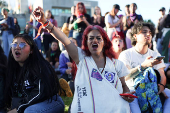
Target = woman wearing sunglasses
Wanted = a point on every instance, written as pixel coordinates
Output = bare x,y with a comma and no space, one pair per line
31,83
100,77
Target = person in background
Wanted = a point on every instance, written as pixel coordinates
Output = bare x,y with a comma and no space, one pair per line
17,27
125,20
113,22
65,66
97,18
163,42
47,37
52,55
7,29
118,44
160,26
31,84
29,27
129,22
80,23
3,68
70,20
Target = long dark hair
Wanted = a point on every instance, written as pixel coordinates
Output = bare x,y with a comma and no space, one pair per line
36,65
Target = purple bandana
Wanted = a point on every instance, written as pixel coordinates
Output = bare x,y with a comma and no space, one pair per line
133,17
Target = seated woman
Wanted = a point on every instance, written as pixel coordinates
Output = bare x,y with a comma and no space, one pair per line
31,82
53,54
98,73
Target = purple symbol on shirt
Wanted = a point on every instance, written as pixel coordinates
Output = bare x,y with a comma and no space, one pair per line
110,76
96,74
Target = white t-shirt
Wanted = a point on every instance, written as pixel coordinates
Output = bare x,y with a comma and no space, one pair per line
111,20
131,58
121,69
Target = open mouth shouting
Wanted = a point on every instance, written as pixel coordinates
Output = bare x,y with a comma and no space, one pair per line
17,54
94,46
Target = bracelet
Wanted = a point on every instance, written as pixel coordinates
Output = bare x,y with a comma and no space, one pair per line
46,24
51,29
162,85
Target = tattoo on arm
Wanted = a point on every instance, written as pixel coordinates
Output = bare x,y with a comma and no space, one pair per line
133,72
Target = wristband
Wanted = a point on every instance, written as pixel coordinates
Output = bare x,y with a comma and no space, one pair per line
162,85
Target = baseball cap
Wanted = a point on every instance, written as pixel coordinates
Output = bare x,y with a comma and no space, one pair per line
5,9
116,6
162,9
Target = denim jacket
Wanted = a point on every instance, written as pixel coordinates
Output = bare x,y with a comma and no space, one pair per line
10,23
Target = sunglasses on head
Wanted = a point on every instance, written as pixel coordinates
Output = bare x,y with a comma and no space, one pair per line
21,45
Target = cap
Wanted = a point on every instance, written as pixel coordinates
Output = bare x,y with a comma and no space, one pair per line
162,9
116,6
5,9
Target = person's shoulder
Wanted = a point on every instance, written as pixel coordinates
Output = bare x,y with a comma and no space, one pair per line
128,51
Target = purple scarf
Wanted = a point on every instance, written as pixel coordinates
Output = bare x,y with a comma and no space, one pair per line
133,17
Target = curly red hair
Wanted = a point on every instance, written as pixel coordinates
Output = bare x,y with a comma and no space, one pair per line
108,49
77,11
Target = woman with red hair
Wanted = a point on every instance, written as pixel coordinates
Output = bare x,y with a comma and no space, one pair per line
81,21
100,77
118,44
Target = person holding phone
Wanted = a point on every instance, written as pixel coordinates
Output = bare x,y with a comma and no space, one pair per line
139,59
80,23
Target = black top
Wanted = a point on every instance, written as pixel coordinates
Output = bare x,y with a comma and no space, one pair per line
53,56
102,23
82,26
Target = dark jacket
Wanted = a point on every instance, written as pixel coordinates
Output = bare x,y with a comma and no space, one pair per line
3,64
10,23
33,91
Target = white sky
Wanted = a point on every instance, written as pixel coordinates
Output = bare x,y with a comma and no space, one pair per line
149,9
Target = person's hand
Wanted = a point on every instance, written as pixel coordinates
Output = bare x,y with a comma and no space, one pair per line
95,17
69,64
56,64
161,89
84,19
13,111
79,20
68,71
150,63
51,63
128,99
38,14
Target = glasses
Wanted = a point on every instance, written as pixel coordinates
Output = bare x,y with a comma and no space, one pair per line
21,45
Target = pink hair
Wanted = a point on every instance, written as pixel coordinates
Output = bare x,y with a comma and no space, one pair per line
77,11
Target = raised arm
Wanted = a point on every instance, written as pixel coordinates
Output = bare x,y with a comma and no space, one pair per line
38,14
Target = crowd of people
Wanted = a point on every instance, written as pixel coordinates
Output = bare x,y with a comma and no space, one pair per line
88,58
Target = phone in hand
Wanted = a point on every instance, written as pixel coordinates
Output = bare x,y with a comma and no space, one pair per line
159,58
128,95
